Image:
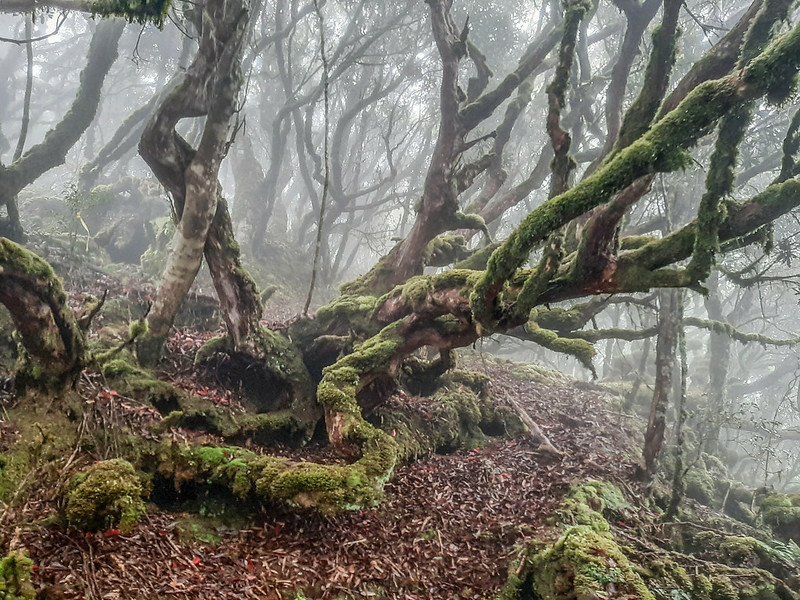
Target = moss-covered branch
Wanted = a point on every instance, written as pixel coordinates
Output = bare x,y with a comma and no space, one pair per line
662,149
134,11
732,127
736,334
581,349
741,220
656,77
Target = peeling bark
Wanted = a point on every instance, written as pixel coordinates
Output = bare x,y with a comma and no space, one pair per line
209,87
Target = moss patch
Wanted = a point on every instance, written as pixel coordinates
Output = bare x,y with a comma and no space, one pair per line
106,495
15,577
782,513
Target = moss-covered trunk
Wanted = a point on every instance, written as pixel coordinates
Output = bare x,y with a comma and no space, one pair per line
53,345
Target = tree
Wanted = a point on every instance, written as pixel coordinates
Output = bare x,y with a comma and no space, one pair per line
359,343
51,152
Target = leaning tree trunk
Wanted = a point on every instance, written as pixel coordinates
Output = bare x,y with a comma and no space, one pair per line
52,151
668,329
209,87
53,347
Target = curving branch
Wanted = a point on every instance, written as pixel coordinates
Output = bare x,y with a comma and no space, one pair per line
52,151
209,88
732,127
662,149
444,180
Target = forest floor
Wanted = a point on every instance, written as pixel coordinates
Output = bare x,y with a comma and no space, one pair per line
449,527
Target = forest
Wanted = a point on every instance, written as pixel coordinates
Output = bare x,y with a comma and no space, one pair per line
399,299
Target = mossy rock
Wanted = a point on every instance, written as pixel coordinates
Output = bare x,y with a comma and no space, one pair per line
700,486
106,495
538,374
586,564
590,503
15,577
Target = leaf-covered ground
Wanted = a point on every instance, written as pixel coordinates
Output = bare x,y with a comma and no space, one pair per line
449,527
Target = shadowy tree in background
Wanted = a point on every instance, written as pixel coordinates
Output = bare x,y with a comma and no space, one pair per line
358,344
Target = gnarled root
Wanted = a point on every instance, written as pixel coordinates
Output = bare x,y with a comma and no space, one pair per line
53,343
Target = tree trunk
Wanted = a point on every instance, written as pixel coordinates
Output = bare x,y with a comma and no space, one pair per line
209,87
52,342
719,353
52,151
678,483
668,326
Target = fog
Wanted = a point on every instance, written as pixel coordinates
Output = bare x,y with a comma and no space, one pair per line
353,140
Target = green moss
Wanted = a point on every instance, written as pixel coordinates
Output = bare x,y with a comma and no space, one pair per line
134,11
581,349
43,440
15,577
131,380
776,501
371,283
662,58
148,349
251,477
122,368
745,551
455,417
662,148
700,486
478,259
14,257
562,319
784,520
585,564
774,71
590,503
282,359
218,344
51,353
348,311
722,588
665,575
269,428
538,374
445,250
106,495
